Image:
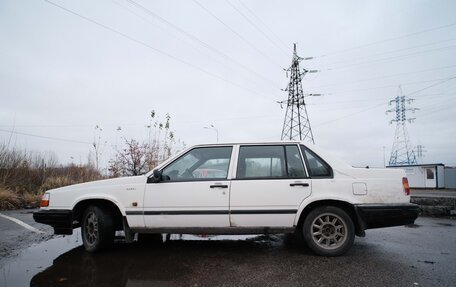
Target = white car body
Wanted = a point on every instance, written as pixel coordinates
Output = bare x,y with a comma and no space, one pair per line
240,206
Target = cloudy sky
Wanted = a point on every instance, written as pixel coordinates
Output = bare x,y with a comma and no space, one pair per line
69,66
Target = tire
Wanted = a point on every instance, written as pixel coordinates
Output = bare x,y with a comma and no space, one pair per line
97,229
328,231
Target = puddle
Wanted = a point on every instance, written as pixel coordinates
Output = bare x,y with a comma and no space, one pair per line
64,262
18,271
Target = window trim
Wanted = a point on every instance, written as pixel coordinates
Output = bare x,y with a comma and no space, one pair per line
199,179
303,149
275,177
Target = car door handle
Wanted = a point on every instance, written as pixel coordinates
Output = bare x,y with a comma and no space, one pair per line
218,186
299,184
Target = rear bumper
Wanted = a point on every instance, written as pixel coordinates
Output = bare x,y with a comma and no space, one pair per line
61,220
386,215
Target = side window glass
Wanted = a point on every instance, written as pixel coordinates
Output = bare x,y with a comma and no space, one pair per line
210,163
295,167
261,162
316,166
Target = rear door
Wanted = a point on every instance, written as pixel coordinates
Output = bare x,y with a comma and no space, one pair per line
269,184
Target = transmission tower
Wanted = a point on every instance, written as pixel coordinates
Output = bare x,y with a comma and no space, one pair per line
296,125
420,153
401,153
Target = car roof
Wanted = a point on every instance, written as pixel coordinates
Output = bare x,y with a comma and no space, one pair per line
249,143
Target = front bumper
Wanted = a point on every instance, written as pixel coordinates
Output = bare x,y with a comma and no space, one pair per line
60,219
386,215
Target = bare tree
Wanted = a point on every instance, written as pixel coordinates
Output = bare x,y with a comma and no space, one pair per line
137,158
98,145
131,160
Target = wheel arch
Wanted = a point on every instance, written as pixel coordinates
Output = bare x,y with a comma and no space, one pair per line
349,208
107,204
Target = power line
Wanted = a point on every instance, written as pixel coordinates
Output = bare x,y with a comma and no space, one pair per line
366,100
391,39
46,137
204,44
237,34
190,42
388,86
385,76
257,28
433,85
264,24
351,114
391,59
439,108
384,103
155,49
392,51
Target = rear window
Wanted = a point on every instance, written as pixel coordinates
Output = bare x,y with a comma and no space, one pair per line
315,165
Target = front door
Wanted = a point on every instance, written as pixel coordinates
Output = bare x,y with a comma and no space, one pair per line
270,184
194,191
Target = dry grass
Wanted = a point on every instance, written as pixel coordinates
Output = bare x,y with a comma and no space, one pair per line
12,200
55,182
8,199
25,176
31,200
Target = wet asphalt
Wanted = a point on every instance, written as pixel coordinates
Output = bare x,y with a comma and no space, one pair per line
420,255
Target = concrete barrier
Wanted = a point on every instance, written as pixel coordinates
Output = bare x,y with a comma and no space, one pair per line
435,206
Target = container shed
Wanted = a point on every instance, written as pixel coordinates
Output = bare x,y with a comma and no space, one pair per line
424,175
450,177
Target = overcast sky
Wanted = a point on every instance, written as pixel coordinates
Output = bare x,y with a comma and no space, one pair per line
221,63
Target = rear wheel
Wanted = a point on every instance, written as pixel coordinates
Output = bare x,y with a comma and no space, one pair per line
97,229
328,231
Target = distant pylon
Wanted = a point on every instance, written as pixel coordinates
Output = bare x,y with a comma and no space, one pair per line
420,153
296,125
402,152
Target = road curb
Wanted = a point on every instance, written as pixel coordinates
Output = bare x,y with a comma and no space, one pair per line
435,206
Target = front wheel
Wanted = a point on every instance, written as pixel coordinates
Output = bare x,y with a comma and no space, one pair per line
97,229
328,231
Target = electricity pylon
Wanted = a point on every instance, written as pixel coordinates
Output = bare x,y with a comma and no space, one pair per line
402,152
296,125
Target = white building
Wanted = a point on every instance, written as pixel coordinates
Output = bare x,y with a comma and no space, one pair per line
424,175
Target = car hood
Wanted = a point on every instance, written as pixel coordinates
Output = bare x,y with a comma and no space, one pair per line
121,181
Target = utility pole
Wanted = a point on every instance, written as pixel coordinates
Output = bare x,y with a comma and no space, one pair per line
296,125
402,152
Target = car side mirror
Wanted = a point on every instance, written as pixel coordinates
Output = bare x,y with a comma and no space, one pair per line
156,176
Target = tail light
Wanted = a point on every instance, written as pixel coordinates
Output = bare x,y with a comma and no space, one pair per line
406,186
45,200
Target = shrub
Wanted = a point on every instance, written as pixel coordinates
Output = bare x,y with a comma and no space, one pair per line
31,200
55,182
8,199
25,176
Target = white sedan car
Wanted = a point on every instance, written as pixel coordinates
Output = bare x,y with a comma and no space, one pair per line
239,188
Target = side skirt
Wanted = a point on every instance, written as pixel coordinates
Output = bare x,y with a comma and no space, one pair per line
218,230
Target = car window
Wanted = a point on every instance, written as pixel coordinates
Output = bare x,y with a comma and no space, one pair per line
209,163
295,167
269,162
316,166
